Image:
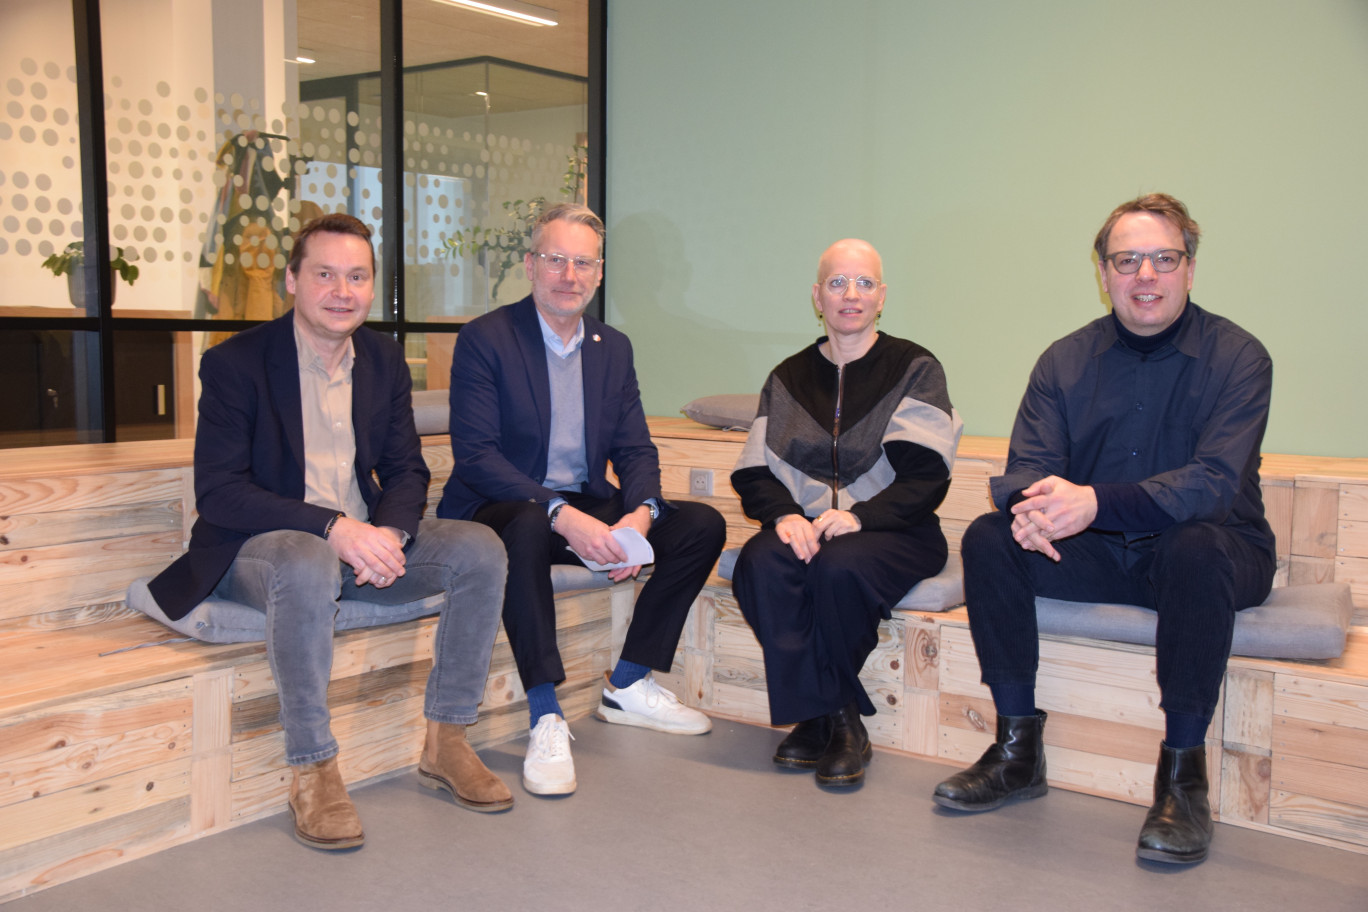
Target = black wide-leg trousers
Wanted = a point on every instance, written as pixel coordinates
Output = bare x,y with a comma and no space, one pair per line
818,622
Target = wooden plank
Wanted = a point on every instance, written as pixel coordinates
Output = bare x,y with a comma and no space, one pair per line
921,726
700,454
90,719
262,753
1248,711
1345,823
33,530
1353,502
1315,506
23,567
1332,743
1086,734
922,652
1125,780
102,800
1354,571
1320,779
885,663
738,702
66,856
83,751
211,770
49,490
394,683
1277,498
738,659
1243,794
1353,538
1319,701
1304,570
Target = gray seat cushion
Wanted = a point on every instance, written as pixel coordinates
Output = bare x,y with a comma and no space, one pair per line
432,411
941,592
1295,622
217,620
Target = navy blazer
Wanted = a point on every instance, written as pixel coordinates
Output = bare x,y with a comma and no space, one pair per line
249,452
501,415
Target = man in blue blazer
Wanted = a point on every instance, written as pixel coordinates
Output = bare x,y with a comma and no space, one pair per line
543,398
310,484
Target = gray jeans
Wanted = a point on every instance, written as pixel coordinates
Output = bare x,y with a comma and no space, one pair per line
296,579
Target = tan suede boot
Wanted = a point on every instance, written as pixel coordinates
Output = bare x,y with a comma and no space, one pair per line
449,762
324,817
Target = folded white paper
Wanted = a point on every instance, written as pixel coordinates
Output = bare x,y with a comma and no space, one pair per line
636,547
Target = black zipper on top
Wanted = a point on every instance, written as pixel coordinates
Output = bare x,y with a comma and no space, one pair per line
835,438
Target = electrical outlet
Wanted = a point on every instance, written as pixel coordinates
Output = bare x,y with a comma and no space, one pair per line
701,482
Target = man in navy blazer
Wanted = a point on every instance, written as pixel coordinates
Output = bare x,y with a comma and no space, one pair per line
543,398
310,484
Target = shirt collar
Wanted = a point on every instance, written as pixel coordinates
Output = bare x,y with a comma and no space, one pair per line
310,359
1187,341
553,339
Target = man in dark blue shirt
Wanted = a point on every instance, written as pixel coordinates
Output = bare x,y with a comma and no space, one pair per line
1132,478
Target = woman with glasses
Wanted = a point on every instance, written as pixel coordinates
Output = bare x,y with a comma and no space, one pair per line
849,456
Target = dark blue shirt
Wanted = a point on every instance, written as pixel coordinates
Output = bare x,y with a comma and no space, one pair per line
1184,422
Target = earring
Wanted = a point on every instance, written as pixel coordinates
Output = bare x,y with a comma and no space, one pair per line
821,321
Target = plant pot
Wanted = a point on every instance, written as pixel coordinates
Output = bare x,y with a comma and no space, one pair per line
76,288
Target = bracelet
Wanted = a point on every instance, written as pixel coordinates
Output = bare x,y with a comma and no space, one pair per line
327,530
555,512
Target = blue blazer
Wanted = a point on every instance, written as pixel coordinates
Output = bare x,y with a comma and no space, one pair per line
501,415
249,452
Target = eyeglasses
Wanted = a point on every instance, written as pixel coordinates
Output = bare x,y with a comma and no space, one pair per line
556,262
863,284
1128,262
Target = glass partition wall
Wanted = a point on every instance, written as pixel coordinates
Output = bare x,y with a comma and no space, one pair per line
226,124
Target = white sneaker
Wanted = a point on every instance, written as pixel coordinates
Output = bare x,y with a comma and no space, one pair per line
648,705
549,769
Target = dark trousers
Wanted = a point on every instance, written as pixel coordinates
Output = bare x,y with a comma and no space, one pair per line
1195,575
687,539
818,622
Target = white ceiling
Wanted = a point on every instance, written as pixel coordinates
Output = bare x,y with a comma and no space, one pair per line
344,37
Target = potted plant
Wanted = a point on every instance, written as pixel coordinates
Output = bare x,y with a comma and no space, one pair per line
500,249
69,261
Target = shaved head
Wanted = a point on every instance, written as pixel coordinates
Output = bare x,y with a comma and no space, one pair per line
852,249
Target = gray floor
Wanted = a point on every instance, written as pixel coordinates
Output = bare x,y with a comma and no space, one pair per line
680,823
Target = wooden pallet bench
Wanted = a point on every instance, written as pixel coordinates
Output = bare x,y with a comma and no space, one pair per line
1289,744
111,749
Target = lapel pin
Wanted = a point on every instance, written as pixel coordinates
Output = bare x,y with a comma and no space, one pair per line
596,338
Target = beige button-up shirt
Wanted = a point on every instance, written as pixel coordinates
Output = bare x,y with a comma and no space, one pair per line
329,438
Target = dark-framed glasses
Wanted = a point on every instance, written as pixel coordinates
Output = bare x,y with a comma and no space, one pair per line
556,262
1128,262
864,284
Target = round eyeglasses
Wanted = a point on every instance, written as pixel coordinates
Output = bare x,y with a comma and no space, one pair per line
1128,262
556,262
863,284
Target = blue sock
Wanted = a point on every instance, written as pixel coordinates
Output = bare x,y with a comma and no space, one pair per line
1014,699
541,700
1184,730
627,673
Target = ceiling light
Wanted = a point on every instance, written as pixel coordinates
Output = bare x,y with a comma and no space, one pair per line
304,59
509,9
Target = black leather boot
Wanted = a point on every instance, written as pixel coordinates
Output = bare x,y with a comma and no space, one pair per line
847,751
1012,769
1177,828
803,747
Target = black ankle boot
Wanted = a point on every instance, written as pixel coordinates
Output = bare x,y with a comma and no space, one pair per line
803,747
847,751
1013,768
1177,828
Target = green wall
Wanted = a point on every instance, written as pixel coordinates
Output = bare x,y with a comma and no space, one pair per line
979,146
